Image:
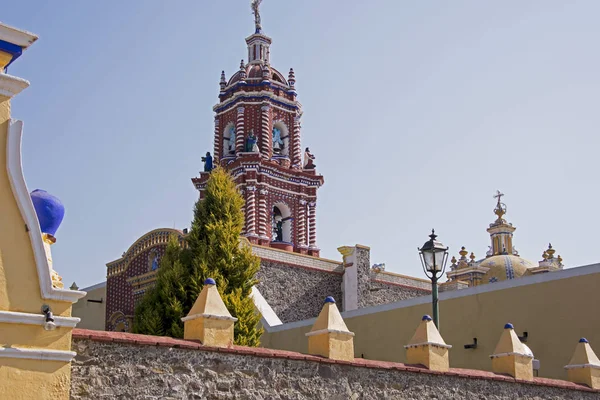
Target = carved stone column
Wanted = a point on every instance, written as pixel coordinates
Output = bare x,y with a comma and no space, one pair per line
302,225
266,147
296,145
263,217
239,131
312,227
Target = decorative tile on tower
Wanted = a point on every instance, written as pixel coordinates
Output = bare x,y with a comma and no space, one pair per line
512,357
584,366
329,336
209,321
427,347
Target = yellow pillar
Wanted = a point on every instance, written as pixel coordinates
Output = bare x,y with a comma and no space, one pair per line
512,357
35,316
209,321
427,347
329,336
584,366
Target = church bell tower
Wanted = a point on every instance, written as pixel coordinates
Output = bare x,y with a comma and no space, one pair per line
257,138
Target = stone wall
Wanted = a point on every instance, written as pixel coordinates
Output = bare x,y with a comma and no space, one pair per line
384,293
383,288
126,366
297,293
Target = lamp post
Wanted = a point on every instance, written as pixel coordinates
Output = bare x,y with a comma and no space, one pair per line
433,256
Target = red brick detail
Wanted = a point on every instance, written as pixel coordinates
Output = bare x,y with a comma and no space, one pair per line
134,339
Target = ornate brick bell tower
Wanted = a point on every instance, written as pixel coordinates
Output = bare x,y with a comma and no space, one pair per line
257,139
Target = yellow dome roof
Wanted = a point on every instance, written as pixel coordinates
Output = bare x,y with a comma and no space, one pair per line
503,267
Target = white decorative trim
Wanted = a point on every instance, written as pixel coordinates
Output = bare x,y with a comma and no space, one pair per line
512,353
13,317
263,93
572,366
446,346
21,193
11,85
35,354
209,316
322,331
269,316
16,36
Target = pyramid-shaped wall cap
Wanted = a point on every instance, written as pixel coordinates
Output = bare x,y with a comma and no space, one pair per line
427,334
209,304
583,356
510,344
329,320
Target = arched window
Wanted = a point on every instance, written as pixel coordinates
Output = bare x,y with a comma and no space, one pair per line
229,140
282,223
281,139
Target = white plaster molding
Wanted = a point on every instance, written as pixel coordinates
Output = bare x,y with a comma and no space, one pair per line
322,331
269,317
512,353
11,86
16,36
572,366
21,193
35,354
13,317
261,94
446,346
209,316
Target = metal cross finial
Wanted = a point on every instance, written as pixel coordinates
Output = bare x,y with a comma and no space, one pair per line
498,196
254,5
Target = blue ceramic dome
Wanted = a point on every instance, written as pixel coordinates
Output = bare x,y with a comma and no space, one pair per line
210,281
329,299
49,209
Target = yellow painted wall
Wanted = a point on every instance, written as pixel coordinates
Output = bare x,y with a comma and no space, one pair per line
20,292
93,315
555,314
19,284
29,380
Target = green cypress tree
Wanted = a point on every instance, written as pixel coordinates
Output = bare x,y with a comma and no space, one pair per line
214,251
159,311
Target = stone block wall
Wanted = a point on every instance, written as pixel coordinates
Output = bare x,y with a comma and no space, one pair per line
296,293
126,366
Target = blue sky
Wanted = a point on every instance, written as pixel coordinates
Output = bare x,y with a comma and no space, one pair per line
417,112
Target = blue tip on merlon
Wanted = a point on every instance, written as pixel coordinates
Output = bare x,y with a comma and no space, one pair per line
583,340
509,326
210,281
329,299
426,318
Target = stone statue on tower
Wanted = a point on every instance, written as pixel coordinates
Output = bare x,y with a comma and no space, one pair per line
254,5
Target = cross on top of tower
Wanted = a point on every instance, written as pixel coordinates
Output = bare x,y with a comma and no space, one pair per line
500,209
498,196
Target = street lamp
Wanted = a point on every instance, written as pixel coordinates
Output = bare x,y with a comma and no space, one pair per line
433,256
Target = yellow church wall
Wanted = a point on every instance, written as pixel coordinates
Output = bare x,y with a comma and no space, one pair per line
19,286
34,379
34,337
555,313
